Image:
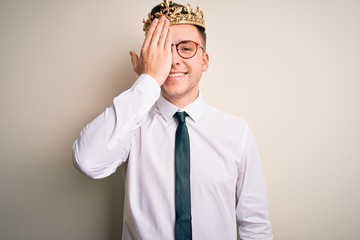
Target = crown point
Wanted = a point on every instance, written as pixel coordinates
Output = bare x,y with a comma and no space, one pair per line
176,13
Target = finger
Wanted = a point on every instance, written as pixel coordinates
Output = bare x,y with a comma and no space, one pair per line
168,40
157,31
150,32
164,33
134,60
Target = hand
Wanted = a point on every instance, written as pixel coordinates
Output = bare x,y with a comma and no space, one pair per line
155,57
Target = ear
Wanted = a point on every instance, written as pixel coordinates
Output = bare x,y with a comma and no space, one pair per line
205,62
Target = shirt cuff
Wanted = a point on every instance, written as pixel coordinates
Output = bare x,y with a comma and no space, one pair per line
148,86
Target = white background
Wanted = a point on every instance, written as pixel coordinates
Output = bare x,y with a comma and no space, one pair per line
290,68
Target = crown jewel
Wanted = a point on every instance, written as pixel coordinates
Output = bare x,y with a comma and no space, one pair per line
176,13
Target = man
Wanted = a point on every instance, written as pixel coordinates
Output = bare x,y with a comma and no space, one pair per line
197,175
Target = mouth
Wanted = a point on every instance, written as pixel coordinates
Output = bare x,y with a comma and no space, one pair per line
176,75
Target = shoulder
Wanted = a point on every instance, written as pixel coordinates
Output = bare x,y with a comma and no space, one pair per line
221,117
224,125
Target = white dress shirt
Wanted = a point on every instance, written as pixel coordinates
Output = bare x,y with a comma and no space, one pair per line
227,185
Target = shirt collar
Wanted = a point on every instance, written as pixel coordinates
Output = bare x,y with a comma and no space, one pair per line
194,109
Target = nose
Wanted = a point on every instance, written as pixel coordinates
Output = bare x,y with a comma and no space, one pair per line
175,55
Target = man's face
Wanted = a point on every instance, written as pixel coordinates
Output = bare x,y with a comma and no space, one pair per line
182,84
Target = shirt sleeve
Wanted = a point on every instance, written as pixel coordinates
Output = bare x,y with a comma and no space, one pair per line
252,200
104,143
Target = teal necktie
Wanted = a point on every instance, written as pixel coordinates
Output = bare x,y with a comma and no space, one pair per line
183,229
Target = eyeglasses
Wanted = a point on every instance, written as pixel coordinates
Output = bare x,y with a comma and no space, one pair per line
187,49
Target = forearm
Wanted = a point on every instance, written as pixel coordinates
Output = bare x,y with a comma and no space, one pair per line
105,142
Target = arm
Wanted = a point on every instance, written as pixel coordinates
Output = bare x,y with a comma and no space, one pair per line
105,143
252,204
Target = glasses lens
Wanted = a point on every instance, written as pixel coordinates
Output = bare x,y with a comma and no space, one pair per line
187,49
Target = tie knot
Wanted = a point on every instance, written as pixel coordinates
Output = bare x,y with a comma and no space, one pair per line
180,116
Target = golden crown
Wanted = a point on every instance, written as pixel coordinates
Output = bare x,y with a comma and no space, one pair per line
176,13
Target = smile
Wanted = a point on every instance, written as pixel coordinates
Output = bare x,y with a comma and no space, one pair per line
179,74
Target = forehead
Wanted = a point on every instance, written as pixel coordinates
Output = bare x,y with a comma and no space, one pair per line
185,32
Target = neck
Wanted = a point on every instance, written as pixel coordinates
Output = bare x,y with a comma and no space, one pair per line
181,102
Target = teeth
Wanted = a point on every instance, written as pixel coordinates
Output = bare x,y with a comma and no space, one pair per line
176,74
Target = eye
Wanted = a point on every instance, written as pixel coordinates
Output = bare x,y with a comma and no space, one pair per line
187,47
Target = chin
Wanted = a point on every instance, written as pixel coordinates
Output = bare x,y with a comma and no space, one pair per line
171,94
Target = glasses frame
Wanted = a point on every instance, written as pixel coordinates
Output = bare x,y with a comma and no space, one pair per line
184,41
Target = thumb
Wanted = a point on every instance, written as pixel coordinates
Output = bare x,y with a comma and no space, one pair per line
134,61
